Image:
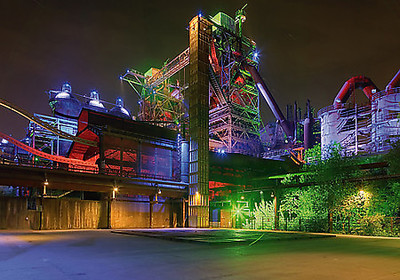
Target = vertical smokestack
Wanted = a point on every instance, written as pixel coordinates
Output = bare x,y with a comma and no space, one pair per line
308,122
289,112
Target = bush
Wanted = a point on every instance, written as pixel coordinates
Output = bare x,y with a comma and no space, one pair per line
372,225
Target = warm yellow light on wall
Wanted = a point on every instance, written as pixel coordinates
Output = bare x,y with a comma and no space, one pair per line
114,192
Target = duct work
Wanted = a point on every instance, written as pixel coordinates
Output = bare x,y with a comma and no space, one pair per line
358,82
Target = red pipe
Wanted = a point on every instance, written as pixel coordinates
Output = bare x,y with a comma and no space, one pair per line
46,155
213,59
394,82
358,82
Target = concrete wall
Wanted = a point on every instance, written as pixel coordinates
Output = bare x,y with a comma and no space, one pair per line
14,214
126,214
70,213
226,218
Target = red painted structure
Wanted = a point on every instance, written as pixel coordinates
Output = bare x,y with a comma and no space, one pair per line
74,162
357,82
127,148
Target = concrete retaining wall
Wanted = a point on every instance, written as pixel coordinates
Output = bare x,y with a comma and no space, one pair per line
14,214
71,214
68,213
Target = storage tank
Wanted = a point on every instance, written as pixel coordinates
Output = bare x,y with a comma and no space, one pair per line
330,121
385,118
64,104
349,126
119,110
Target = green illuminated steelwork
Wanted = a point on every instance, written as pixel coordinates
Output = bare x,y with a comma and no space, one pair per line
240,18
160,97
234,99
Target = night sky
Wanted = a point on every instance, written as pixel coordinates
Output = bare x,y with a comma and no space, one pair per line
308,48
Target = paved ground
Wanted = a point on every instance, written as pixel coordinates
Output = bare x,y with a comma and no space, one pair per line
220,236
101,254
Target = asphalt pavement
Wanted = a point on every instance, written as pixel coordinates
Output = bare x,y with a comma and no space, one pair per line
103,254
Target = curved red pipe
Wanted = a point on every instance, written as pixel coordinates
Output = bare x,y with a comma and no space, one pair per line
46,155
358,82
394,82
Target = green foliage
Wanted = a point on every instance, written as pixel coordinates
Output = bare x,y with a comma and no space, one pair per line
290,179
332,170
304,209
313,155
393,158
386,199
262,216
373,225
330,191
326,196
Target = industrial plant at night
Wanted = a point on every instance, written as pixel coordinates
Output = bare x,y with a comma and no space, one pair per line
197,152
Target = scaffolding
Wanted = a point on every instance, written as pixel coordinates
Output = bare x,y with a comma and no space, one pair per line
349,126
362,129
385,119
49,142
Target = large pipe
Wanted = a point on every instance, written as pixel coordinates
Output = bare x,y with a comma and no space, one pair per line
262,87
394,82
358,82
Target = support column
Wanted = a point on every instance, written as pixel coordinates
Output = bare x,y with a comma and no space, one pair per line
151,204
199,46
102,162
109,206
276,209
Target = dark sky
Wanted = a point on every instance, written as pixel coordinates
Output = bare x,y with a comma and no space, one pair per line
308,48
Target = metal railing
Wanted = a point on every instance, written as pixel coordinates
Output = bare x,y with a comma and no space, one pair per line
47,164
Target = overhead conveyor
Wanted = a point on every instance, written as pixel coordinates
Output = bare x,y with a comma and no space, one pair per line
45,125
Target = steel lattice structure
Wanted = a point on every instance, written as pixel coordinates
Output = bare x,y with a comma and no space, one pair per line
233,97
161,100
